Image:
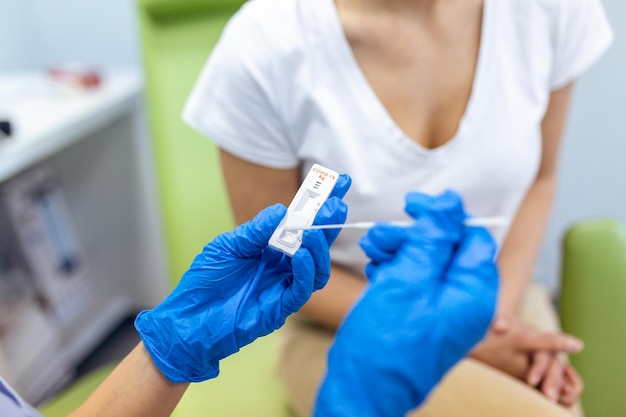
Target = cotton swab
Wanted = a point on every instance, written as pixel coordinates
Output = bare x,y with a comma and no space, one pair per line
470,221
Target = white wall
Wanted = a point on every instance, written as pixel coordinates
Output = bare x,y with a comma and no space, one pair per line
593,161
37,33
19,38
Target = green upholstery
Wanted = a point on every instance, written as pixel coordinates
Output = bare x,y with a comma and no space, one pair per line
246,387
593,307
177,37
68,400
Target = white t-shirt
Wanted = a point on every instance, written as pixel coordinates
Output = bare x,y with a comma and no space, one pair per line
282,87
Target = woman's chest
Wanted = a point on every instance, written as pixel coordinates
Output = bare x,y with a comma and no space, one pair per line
426,98
423,81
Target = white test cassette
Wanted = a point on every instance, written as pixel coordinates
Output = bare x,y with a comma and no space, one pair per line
314,191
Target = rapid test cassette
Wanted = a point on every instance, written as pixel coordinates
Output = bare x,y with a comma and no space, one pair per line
314,191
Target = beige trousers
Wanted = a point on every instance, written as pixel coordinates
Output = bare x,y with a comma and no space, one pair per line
471,388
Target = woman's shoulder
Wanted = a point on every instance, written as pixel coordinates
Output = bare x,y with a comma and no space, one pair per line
563,37
266,12
274,34
262,33
273,20
550,11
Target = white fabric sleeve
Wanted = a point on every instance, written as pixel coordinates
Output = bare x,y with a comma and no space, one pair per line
234,103
12,405
583,35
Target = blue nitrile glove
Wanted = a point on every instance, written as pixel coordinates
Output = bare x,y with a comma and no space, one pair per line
236,290
431,299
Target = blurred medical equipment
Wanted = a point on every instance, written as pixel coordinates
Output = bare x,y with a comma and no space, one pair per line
6,128
39,211
76,76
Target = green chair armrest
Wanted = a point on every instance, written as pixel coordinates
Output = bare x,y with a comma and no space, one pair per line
70,398
593,307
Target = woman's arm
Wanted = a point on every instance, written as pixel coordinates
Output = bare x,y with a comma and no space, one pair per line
516,263
331,304
519,251
252,187
135,388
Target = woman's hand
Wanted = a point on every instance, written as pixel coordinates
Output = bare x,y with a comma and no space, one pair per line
554,377
534,357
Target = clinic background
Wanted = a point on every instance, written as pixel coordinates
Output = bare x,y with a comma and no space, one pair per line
35,34
592,177
592,174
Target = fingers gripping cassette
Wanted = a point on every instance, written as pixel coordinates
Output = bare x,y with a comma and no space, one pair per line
314,191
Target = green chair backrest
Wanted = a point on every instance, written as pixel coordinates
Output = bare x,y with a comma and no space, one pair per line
246,387
177,37
593,307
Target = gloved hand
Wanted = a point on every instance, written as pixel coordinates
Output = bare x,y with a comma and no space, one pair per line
431,299
236,290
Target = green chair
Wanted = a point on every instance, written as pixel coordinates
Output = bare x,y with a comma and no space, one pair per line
593,307
246,387
177,38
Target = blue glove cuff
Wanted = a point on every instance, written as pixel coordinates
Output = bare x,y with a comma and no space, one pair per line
175,369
